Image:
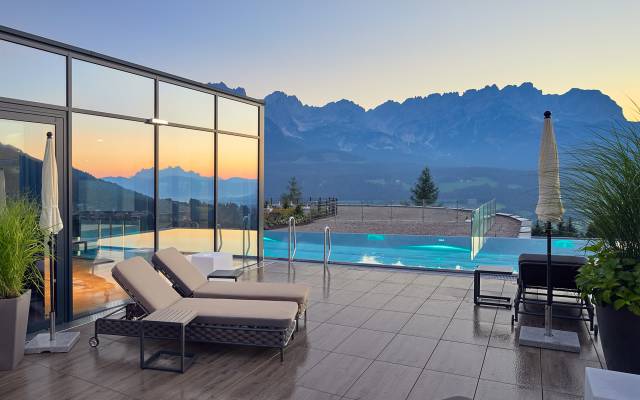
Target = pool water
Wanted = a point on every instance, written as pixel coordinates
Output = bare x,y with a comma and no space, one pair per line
450,252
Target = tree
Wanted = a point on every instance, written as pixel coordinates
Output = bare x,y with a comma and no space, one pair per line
293,195
425,191
537,229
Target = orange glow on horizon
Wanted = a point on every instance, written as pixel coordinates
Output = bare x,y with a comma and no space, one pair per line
237,157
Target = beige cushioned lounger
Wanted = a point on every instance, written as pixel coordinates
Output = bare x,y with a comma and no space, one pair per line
191,283
139,279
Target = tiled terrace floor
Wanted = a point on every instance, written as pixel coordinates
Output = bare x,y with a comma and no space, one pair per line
372,334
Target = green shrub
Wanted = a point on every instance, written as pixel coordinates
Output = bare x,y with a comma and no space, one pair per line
604,187
22,245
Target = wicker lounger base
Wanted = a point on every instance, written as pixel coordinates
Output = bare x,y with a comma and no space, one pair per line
239,335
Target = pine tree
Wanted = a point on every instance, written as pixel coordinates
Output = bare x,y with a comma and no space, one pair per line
425,191
293,195
537,229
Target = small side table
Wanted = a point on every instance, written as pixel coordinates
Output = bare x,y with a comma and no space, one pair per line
600,384
167,324
478,297
226,274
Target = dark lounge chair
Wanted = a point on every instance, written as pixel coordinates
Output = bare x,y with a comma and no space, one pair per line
532,288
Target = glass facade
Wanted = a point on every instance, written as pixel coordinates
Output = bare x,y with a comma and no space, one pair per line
32,75
186,189
109,90
235,116
130,183
238,193
112,214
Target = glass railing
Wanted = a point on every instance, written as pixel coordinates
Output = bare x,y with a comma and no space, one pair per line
482,220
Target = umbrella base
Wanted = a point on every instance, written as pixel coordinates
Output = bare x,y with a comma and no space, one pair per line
41,343
559,340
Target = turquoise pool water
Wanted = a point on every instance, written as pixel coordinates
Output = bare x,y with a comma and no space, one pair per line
451,252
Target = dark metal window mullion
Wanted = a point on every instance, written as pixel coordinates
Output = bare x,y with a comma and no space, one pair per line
67,298
156,171
215,175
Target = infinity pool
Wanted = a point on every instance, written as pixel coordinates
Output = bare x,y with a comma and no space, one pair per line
450,252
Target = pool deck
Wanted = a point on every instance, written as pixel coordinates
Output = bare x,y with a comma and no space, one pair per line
372,333
407,221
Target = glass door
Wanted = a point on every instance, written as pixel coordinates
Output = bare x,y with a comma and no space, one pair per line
22,142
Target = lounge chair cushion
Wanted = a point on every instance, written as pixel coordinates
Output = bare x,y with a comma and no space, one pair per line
144,284
276,314
255,291
176,266
191,282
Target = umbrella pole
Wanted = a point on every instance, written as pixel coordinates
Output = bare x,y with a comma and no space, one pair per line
548,308
52,291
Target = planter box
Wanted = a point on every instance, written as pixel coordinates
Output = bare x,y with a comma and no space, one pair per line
14,314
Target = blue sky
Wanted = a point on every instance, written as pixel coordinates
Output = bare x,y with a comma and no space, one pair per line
366,51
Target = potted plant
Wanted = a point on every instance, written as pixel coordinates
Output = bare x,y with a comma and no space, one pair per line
604,186
21,248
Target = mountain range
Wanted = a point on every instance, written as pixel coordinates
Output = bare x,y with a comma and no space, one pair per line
180,185
480,144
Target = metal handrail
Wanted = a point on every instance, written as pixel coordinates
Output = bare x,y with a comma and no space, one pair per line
292,235
327,250
219,236
247,234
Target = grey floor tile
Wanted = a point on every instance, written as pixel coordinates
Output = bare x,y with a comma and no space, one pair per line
459,282
462,330
403,304
352,316
384,381
321,312
457,358
328,336
475,313
343,296
388,288
377,275
552,395
439,308
564,372
413,351
428,279
373,300
448,293
517,367
335,373
489,390
503,336
362,285
402,277
421,291
365,343
425,326
387,321
434,385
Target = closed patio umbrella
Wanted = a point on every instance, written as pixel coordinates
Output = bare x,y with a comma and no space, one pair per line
51,224
549,209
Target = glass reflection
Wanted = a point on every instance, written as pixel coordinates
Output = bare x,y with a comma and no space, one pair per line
31,74
110,90
238,193
112,204
186,170
185,106
21,153
234,116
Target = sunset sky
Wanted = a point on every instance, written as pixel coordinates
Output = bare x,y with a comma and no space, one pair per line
365,51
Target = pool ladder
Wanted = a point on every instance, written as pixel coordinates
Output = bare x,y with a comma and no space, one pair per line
246,239
327,249
293,243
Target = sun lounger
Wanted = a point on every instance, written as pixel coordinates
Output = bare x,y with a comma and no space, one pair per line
189,282
243,322
532,287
